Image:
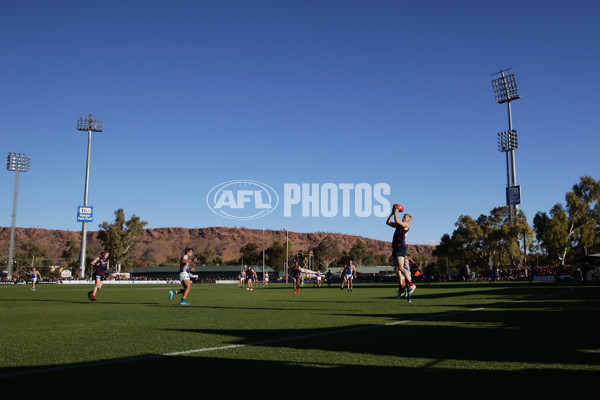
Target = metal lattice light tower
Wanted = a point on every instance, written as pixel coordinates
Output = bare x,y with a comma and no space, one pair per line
90,124
17,162
505,91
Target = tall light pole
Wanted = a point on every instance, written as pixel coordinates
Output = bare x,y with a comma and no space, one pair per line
505,91
90,124
17,162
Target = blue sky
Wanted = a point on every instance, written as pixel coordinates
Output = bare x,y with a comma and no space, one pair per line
197,93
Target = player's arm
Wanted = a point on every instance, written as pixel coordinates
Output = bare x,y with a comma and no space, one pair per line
94,261
396,223
389,221
399,222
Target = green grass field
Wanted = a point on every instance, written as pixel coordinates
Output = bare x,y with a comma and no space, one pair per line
453,338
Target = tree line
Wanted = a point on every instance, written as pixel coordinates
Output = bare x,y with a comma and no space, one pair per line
567,233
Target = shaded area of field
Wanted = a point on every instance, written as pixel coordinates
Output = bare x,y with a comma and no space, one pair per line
526,341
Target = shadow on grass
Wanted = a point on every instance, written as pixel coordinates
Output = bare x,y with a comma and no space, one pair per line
542,348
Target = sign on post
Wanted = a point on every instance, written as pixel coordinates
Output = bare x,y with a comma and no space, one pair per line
513,195
85,214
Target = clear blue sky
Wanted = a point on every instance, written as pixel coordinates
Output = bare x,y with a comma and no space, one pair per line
196,93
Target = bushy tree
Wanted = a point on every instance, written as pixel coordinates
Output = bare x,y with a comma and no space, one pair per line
360,254
119,237
72,254
489,238
31,255
275,256
250,254
573,228
326,253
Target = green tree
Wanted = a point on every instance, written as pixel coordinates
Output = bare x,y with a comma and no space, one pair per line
250,254
72,254
360,253
119,237
170,261
489,238
275,256
573,228
583,205
209,257
326,253
447,251
31,255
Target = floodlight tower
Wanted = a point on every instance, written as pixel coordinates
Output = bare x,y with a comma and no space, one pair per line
17,162
505,91
90,124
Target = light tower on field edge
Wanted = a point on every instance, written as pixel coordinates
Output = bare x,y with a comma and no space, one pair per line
505,91
90,124
17,162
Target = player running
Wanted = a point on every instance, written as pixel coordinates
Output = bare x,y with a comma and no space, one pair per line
35,274
399,250
184,276
100,266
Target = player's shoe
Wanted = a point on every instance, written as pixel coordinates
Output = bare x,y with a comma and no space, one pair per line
89,295
412,289
171,294
184,303
401,293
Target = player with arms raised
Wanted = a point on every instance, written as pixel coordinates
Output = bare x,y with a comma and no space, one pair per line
399,250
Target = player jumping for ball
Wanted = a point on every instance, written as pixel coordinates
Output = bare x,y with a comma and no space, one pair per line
399,251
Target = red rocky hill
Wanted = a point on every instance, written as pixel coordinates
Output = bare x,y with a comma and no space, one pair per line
157,244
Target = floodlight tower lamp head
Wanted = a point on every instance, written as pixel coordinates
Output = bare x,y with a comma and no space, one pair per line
90,123
18,162
505,86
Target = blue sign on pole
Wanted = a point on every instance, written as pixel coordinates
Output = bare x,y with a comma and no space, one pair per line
85,214
513,195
